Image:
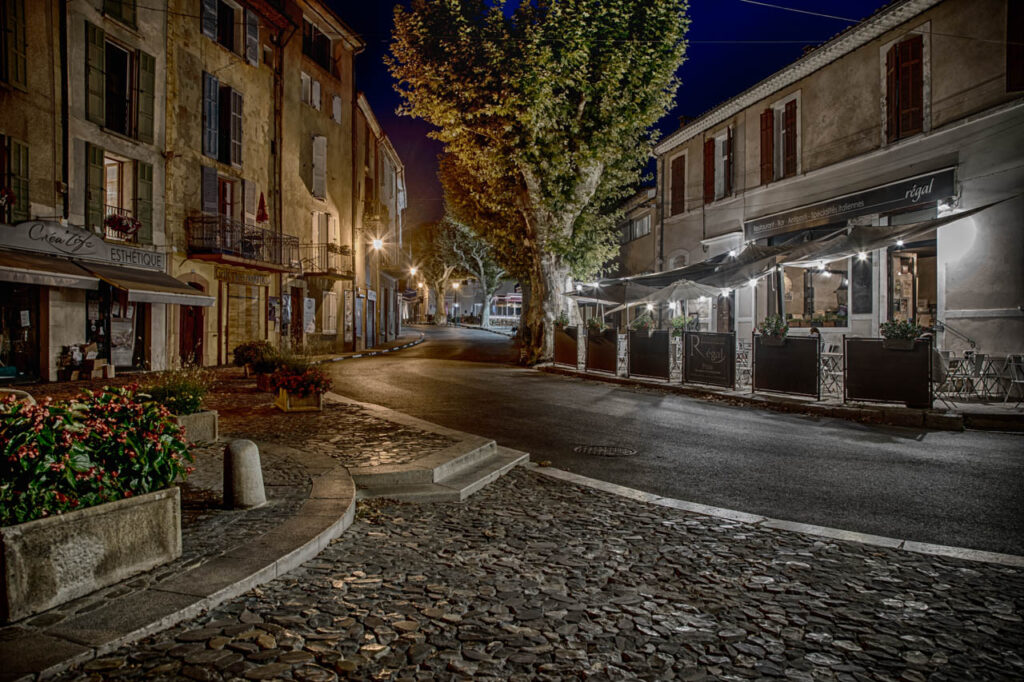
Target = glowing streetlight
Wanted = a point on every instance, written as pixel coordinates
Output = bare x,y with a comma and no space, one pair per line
412,271
377,244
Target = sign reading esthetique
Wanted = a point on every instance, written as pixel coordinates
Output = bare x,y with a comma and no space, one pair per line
74,242
916,191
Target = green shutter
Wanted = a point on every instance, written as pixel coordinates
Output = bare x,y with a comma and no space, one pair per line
19,181
147,88
95,187
14,26
95,74
144,200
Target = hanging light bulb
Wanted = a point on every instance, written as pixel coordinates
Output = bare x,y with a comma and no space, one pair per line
862,256
732,253
753,283
650,307
899,242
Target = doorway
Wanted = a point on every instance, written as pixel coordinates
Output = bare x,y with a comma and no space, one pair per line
19,331
913,284
191,332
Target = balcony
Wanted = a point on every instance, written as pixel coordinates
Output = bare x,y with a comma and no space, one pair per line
219,238
326,260
112,235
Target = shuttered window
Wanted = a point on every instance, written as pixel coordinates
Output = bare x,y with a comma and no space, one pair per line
249,198
789,139
208,18
767,145
95,74
211,115
904,88
209,190
144,200
336,109
14,59
315,101
319,184
146,96
1014,46
727,161
95,187
678,178
236,128
306,87
252,38
329,312
15,177
709,171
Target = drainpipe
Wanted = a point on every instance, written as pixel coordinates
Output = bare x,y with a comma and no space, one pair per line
65,156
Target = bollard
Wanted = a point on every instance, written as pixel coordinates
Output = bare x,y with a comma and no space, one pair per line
243,476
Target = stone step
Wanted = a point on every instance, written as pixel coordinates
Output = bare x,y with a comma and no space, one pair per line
455,487
428,470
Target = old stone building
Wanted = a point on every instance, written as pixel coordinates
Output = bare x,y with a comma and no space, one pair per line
912,116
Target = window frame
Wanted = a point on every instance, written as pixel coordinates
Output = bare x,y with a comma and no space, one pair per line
17,183
779,138
14,54
683,159
922,31
314,41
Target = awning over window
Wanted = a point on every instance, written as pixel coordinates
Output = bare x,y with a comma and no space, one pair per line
146,286
47,271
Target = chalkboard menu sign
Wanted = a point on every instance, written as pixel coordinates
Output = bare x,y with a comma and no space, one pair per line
710,358
863,294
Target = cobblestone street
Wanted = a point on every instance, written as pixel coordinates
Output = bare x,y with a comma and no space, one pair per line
539,579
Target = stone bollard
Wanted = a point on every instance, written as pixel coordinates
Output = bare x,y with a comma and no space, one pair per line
243,476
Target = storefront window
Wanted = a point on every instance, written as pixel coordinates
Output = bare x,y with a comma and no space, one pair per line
817,296
245,313
700,310
913,285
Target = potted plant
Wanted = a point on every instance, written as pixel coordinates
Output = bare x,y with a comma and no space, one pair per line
899,334
773,330
246,355
595,325
124,224
680,324
562,321
643,323
182,391
300,386
7,198
90,478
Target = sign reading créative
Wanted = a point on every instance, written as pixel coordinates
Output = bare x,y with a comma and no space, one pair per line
916,191
74,242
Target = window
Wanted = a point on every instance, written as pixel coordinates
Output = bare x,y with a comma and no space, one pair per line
1014,46
13,45
718,166
226,200
236,29
677,182
904,89
817,296
120,86
779,140
14,176
310,90
118,185
222,121
319,180
317,46
121,10
640,227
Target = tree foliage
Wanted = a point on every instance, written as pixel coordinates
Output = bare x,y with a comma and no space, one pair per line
433,244
476,258
545,112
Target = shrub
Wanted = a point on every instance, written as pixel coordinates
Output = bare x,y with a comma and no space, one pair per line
251,352
181,391
680,324
300,378
773,325
900,329
643,322
99,447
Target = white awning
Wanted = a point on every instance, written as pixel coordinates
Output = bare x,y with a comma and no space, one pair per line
145,286
47,271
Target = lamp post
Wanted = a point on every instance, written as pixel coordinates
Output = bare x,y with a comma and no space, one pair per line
455,303
378,245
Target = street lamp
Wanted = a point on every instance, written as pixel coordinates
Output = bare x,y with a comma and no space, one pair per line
455,303
378,245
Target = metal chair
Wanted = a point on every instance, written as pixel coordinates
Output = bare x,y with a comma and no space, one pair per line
1014,369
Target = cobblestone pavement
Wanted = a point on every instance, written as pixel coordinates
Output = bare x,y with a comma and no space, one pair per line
536,579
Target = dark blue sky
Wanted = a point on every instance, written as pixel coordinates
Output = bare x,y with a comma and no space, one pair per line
733,44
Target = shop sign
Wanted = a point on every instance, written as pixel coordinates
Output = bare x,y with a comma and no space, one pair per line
230,276
710,358
916,191
74,242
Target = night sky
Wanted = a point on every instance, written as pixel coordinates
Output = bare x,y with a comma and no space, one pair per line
733,44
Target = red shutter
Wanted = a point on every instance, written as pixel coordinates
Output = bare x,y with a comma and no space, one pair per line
709,171
727,169
678,198
789,120
767,145
892,106
911,77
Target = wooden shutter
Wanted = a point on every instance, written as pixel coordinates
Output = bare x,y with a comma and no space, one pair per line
211,115
319,184
18,180
911,86
252,38
709,171
249,197
1014,46
789,150
767,145
336,106
16,67
333,233
95,74
727,169
146,95
316,94
95,187
892,105
678,197
208,18
209,190
236,127
144,200
304,78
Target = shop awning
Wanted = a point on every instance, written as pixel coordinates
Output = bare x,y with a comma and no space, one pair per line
146,286
47,271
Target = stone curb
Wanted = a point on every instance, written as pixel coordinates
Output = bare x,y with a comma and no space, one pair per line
326,514
778,524
372,353
890,415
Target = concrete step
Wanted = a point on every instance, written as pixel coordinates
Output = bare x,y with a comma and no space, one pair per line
428,470
456,487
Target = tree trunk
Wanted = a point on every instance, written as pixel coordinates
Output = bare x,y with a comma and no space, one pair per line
485,313
440,312
547,288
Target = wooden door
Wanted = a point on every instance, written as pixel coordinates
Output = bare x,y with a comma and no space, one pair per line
191,333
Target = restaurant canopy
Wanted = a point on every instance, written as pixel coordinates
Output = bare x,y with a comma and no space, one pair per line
146,286
681,290
612,291
48,271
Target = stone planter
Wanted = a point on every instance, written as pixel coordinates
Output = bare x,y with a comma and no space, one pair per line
288,402
200,427
47,562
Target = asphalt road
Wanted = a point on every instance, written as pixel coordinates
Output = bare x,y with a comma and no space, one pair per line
960,489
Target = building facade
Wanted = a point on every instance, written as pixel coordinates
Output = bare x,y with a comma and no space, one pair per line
913,115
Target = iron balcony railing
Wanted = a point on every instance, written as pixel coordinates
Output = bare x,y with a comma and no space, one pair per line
219,234
114,235
326,259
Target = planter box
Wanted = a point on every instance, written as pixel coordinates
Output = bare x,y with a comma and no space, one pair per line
51,561
200,427
876,373
293,403
649,354
786,365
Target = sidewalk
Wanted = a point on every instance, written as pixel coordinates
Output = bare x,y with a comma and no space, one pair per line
406,340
